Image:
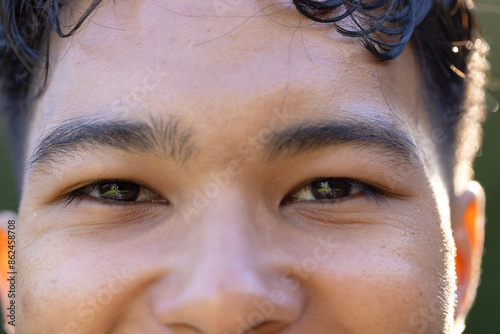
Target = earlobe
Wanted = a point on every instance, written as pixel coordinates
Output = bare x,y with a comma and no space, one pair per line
5,218
468,232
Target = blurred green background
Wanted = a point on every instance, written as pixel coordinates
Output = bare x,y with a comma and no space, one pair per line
485,316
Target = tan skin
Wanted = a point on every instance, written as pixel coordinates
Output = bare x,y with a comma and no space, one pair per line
226,239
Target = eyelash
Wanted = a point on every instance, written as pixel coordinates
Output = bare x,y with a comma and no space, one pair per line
86,191
362,189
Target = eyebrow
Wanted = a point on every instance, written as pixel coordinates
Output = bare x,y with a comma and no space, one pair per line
313,136
163,139
168,140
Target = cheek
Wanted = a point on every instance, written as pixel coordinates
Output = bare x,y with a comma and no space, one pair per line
68,285
365,293
392,282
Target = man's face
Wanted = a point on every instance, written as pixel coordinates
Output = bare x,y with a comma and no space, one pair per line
217,169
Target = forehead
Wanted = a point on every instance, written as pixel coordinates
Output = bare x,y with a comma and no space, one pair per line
218,65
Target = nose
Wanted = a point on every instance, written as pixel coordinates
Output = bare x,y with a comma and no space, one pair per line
228,278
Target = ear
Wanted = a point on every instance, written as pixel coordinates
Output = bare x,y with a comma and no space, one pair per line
5,218
468,231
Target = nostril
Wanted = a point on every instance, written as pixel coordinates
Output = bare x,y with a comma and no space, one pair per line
183,328
267,327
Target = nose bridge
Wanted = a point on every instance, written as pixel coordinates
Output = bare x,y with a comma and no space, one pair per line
225,281
227,231
226,251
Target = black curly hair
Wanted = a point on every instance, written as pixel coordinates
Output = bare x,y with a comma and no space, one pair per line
448,44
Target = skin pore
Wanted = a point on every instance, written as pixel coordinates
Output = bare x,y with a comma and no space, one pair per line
186,193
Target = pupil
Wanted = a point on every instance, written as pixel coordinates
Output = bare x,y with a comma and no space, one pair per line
119,191
331,189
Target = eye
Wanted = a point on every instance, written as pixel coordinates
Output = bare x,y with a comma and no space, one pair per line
115,191
332,189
